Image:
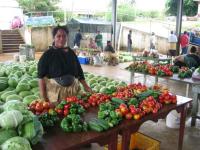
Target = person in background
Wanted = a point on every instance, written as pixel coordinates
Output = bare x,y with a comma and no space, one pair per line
172,39
188,60
184,42
16,23
109,54
92,44
129,48
109,47
99,40
59,70
78,38
152,41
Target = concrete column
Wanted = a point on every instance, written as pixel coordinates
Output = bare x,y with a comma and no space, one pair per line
179,23
114,19
1,49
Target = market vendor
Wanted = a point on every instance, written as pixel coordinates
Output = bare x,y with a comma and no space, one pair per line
92,44
188,60
109,54
59,70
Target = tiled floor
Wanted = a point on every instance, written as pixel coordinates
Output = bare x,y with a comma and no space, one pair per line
159,131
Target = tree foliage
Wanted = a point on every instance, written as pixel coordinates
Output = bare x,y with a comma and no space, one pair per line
38,5
125,12
190,7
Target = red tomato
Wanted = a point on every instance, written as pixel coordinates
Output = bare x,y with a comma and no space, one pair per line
46,105
128,116
39,107
122,106
86,105
59,111
66,112
67,106
155,110
136,116
124,110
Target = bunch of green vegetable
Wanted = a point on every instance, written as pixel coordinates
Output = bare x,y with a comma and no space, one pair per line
48,120
73,123
107,112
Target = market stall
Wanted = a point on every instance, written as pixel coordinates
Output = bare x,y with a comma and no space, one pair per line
170,72
114,108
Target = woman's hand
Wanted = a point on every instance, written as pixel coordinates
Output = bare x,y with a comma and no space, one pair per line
88,89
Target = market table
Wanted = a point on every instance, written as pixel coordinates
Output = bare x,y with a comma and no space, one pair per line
156,60
131,126
56,139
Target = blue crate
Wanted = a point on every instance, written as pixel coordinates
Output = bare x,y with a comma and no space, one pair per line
83,60
195,41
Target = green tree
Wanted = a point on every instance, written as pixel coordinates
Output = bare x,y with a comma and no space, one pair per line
190,7
38,5
125,12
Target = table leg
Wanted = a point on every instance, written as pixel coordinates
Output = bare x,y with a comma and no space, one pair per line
132,77
126,137
182,126
187,90
113,142
156,79
194,108
145,79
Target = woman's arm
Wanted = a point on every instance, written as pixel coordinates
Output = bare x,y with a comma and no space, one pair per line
42,88
85,85
180,58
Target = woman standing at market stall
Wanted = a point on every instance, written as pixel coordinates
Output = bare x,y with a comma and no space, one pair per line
59,70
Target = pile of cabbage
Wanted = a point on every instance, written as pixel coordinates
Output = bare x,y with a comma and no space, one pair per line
19,128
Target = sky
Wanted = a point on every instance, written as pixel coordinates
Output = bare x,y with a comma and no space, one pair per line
150,4
102,4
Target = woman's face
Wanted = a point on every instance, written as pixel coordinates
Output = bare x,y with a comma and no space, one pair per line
60,38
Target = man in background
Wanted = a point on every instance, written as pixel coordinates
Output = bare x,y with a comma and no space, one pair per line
77,39
172,39
184,42
129,48
152,42
99,40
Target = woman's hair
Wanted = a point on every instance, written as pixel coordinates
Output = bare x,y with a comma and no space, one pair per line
193,49
55,30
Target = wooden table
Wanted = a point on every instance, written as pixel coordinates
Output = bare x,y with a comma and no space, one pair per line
56,139
131,126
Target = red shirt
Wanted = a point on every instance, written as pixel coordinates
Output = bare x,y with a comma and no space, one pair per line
184,40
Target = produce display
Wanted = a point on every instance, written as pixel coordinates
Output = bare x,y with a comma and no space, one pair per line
160,70
24,117
185,72
124,57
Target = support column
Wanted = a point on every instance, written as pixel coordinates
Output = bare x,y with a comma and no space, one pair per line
1,49
179,23
114,19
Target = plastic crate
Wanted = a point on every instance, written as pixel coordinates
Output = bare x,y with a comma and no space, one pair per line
140,141
83,60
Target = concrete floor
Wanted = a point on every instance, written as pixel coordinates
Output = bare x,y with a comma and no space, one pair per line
167,136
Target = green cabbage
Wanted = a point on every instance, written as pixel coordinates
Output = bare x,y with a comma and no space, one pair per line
31,129
15,105
16,143
10,119
6,134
